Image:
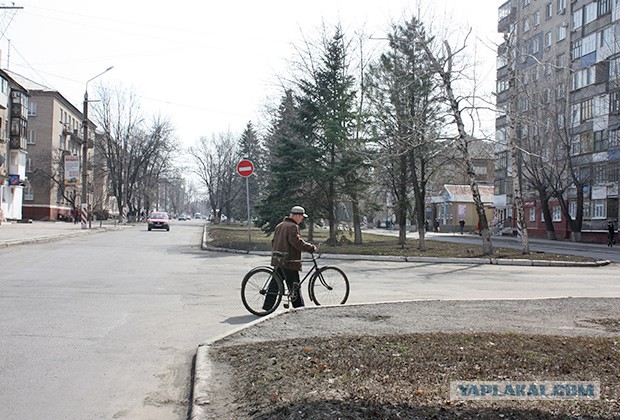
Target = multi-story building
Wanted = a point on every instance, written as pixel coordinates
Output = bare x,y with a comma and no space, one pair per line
13,148
55,154
558,80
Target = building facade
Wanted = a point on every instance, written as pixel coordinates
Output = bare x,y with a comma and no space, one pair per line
55,155
558,82
13,147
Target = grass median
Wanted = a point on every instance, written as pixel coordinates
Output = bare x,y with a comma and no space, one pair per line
237,237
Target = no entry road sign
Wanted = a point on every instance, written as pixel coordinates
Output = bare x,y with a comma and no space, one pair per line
245,168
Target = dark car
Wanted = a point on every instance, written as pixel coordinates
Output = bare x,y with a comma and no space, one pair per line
159,220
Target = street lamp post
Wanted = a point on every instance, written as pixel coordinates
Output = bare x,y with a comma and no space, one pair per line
84,209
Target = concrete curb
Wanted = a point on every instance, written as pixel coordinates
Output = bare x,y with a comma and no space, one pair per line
203,393
202,367
432,260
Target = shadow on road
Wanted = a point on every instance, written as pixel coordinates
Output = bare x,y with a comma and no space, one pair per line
238,320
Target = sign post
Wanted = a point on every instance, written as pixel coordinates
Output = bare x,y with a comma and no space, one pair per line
245,168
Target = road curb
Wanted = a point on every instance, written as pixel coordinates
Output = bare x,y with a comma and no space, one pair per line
432,260
204,373
202,367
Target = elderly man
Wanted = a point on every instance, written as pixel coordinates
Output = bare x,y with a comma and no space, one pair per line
287,247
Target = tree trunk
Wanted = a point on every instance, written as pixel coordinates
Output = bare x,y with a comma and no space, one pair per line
544,205
446,77
357,227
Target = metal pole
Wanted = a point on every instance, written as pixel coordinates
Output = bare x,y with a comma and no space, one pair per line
247,190
84,209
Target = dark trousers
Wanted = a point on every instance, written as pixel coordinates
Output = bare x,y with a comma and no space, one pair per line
292,280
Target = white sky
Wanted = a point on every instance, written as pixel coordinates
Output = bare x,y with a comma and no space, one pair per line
210,67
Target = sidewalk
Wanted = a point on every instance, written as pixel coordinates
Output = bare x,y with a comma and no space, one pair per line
14,233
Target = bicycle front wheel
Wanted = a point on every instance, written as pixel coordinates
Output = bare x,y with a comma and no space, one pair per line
329,286
261,291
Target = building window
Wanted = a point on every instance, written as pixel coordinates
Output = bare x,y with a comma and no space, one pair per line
535,46
502,160
548,11
599,209
561,33
603,7
32,137
600,141
614,68
572,209
590,13
613,138
586,142
614,102
537,18
526,25
28,193
547,39
589,44
576,50
557,214
32,109
532,214
574,115
502,85
561,6
583,78
560,90
587,110
577,19
575,145
561,61
28,164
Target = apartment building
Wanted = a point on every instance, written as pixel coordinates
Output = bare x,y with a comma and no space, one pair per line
13,148
558,79
54,154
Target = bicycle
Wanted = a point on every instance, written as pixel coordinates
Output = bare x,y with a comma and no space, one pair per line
262,288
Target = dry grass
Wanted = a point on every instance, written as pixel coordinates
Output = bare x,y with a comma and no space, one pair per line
236,237
408,376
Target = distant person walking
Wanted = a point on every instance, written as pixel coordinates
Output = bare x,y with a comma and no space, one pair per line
611,233
462,225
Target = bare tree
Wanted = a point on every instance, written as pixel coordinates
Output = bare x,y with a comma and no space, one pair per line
214,162
443,65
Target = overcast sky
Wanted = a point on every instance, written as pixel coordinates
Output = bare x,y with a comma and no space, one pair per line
208,66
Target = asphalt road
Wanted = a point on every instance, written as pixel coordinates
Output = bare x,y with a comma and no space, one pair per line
105,326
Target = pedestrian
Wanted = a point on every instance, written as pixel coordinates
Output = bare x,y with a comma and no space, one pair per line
286,248
76,216
436,225
611,232
479,228
426,225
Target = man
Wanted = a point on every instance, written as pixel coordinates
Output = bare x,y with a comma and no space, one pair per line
287,247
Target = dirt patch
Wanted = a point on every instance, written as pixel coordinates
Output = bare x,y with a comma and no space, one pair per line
408,376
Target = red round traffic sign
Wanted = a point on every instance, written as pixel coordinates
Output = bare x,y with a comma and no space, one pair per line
245,167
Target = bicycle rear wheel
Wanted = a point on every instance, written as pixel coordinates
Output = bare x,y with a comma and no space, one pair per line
329,286
261,291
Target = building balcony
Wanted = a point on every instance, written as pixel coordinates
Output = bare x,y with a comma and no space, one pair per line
507,15
18,143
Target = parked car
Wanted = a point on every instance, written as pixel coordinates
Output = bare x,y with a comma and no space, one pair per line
158,220
183,217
